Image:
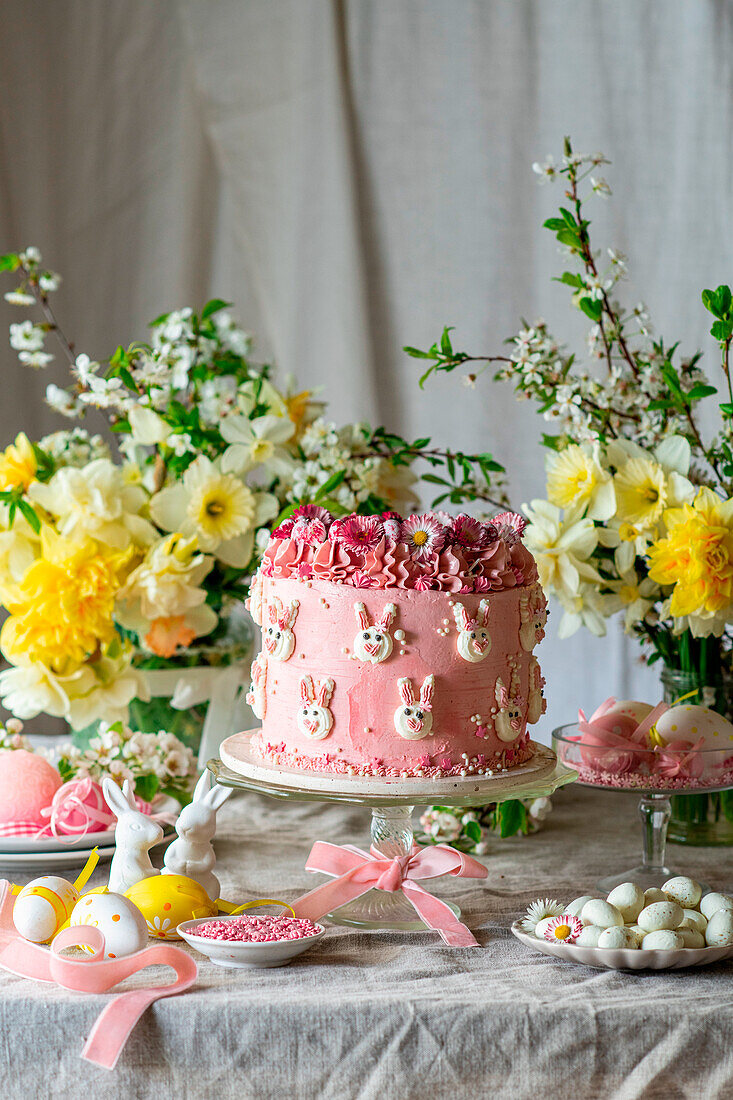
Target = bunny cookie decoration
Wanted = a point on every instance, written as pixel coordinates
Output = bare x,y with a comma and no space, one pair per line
508,719
537,703
314,718
135,834
374,643
256,697
473,643
278,639
192,854
414,719
532,618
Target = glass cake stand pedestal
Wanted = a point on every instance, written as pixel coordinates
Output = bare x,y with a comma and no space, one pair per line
654,774
391,803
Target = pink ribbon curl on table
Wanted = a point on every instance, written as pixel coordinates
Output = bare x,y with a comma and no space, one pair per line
356,872
93,974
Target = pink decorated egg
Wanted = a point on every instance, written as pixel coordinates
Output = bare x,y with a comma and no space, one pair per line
27,785
622,717
693,723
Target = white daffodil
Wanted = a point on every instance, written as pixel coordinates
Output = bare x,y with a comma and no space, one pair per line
647,484
257,443
586,609
576,480
632,595
215,507
561,548
627,541
146,426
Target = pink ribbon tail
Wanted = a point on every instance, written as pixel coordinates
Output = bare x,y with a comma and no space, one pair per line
356,872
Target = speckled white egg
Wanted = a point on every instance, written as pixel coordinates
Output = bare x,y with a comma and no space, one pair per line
576,906
719,932
539,929
685,891
695,920
601,914
691,937
628,899
617,937
664,939
653,894
711,903
636,932
661,915
120,922
589,936
690,722
42,907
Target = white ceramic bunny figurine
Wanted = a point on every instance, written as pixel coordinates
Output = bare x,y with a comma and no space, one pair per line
135,834
192,854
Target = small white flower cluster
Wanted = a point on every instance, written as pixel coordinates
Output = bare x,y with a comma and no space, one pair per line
75,447
26,337
12,738
124,754
445,825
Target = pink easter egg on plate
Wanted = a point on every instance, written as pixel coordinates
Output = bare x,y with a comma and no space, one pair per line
605,751
27,785
622,717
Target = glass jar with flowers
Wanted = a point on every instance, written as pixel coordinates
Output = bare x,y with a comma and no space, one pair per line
638,512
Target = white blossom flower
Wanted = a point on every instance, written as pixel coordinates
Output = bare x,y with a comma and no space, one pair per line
600,186
49,281
35,358
19,298
546,170
30,256
25,336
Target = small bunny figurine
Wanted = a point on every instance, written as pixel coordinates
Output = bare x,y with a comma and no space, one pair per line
135,834
192,854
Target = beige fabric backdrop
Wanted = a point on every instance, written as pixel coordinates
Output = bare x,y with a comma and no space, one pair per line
353,174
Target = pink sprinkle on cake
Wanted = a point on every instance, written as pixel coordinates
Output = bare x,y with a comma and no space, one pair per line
265,929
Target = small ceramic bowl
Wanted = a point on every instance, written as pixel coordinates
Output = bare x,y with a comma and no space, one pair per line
241,955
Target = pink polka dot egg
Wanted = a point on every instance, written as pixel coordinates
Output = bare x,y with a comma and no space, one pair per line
27,786
694,723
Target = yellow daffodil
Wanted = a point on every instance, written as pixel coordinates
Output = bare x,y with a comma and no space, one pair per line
576,480
647,484
628,543
561,548
696,557
632,595
18,464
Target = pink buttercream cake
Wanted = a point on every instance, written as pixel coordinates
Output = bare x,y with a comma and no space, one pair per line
397,647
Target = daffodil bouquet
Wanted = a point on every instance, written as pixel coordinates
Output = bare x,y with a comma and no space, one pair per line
638,514
120,559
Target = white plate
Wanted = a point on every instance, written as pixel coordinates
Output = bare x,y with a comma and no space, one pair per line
48,862
623,958
12,844
245,956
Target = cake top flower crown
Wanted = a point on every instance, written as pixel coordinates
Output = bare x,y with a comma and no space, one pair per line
429,551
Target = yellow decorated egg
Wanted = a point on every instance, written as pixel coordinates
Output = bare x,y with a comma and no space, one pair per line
165,901
122,924
691,722
43,906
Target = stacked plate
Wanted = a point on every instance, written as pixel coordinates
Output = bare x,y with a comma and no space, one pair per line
21,854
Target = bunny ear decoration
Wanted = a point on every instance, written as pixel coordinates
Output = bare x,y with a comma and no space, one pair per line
287,618
325,691
114,797
274,610
306,689
500,693
386,618
361,616
461,616
483,613
203,786
406,692
217,796
426,692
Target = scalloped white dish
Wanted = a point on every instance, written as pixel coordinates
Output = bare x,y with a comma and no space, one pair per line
240,955
623,958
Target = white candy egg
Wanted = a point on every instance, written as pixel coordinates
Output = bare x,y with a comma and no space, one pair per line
121,923
719,932
695,920
690,722
685,891
576,906
664,939
589,936
691,937
637,933
601,914
540,927
661,915
42,907
617,937
628,899
653,894
711,903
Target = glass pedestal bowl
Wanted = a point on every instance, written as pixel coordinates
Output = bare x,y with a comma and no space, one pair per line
655,774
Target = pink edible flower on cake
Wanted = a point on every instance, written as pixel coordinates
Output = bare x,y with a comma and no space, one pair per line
425,535
284,530
360,533
305,570
468,533
312,511
310,531
424,761
509,526
446,763
564,929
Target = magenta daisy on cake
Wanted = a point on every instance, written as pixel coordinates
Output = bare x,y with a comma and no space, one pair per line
359,532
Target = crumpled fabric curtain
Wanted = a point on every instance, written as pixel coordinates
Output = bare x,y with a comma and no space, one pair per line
355,173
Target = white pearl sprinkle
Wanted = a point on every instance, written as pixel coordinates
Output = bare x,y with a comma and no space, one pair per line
402,652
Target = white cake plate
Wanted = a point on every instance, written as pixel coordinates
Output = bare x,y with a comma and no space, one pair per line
392,802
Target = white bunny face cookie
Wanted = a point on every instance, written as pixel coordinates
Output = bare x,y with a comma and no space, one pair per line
256,696
314,718
374,643
537,704
532,618
473,642
414,719
278,637
508,719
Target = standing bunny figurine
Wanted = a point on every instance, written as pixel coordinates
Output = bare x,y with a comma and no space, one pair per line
135,834
192,854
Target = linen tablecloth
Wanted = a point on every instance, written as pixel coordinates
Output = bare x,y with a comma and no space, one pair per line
383,1015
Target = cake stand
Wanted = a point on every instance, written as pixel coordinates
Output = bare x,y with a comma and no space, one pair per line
650,773
391,802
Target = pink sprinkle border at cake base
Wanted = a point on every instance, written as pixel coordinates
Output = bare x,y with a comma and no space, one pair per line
281,757
639,781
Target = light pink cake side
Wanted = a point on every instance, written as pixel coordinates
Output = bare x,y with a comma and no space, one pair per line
395,681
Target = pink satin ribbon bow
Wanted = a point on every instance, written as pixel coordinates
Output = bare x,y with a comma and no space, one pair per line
358,872
93,974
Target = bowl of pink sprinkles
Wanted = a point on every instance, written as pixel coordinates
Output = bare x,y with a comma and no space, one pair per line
251,941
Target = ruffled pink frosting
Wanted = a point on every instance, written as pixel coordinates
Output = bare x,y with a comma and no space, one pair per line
333,562
287,558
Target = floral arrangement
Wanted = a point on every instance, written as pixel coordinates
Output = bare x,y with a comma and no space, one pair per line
155,763
638,514
469,831
115,560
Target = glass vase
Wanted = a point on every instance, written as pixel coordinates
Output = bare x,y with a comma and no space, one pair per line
705,820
